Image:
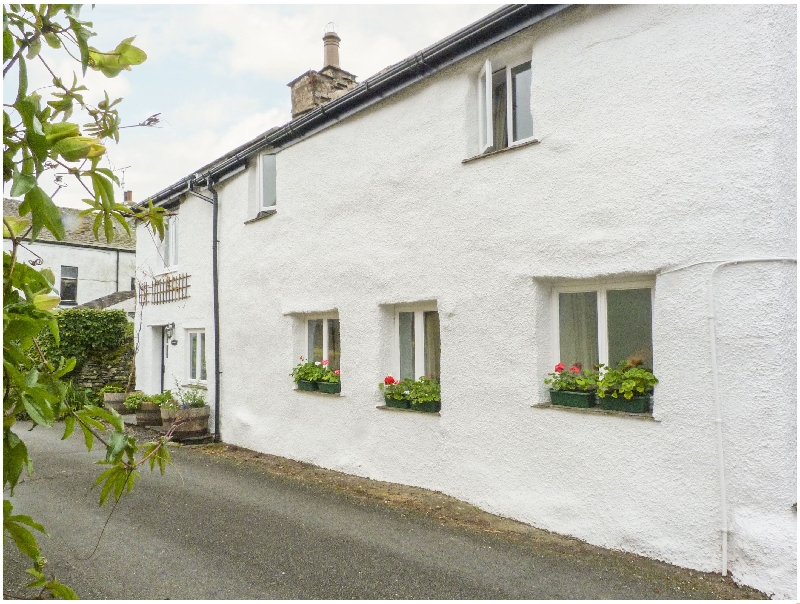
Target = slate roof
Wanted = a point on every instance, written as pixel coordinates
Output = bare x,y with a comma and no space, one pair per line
78,230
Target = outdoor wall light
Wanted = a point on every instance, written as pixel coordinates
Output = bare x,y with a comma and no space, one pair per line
169,329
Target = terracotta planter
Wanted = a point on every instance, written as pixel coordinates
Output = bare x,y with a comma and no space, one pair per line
189,422
330,387
115,401
572,399
148,414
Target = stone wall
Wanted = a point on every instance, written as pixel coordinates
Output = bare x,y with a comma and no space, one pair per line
110,369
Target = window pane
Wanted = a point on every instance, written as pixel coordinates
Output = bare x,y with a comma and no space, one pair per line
69,272
432,345
315,340
192,356
69,290
333,344
166,245
630,326
268,176
499,114
577,328
521,98
203,375
407,346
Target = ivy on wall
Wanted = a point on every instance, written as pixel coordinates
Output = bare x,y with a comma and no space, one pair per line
89,333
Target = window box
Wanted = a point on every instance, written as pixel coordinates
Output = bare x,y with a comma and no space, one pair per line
427,406
402,403
566,398
329,387
637,404
306,386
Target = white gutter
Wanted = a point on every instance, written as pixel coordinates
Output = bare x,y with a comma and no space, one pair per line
715,384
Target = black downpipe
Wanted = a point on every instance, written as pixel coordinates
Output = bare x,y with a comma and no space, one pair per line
215,286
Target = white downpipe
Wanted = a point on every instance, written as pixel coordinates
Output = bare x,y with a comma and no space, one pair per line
715,385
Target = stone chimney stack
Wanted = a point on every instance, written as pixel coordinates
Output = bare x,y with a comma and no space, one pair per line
315,88
129,196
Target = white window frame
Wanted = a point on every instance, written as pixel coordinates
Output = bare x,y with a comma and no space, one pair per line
485,94
325,334
419,337
189,334
260,192
601,288
169,246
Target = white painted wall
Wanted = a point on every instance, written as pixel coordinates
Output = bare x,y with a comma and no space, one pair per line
97,268
668,137
194,312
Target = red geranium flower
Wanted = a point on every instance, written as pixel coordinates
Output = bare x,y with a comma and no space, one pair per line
324,362
559,367
336,371
389,380
575,369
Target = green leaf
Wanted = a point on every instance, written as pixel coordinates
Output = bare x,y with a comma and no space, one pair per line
46,301
18,225
44,213
8,45
22,184
87,436
22,91
61,591
69,426
52,40
34,48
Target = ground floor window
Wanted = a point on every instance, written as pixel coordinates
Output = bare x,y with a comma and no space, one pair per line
323,341
197,355
418,344
604,324
69,285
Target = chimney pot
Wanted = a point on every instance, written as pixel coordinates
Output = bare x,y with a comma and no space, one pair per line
129,196
331,40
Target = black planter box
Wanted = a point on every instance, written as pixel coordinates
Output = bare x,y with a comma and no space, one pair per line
638,404
572,399
397,403
428,406
306,385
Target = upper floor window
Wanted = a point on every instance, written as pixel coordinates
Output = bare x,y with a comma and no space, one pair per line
418,343
267,191
605,324
69,285
323,341
169,246
504,105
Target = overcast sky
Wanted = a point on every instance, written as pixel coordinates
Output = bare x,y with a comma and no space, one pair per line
217,74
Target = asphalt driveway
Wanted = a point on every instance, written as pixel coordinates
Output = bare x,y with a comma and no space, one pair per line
222,527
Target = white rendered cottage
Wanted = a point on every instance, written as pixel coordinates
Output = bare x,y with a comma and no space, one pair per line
549,183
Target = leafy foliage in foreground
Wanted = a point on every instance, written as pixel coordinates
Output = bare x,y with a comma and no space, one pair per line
38,139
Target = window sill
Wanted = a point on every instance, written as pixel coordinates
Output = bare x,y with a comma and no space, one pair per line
317,392
387,408
196,385
262,215
594,411
68,303
499,151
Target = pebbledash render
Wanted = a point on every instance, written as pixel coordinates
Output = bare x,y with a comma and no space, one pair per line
548,184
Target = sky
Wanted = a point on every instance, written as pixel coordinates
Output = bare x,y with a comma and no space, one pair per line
217,74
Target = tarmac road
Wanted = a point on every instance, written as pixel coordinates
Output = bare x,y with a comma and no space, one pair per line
212,528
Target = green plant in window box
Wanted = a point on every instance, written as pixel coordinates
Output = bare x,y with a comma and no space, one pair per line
573,387
187,413
426,395
396,393
135,400
307,373
330,382
626,388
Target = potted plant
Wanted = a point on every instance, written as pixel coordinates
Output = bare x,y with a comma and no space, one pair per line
187,414
329,381
396,393
426,395
147,412
307,374
114,398
573,387
626,388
